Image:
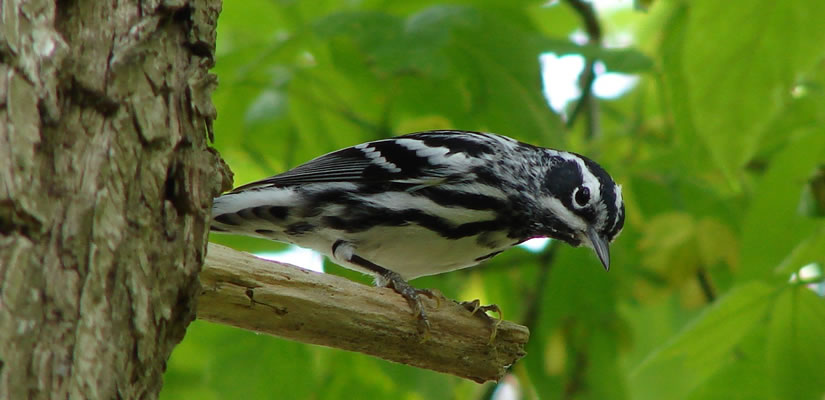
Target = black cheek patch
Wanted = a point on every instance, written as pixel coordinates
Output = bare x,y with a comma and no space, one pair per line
562,180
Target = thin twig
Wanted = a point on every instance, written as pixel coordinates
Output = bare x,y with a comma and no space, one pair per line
533,299
706,284
531,316
586,84
587,103
591,21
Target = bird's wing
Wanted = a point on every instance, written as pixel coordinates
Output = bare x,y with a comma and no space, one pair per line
419,159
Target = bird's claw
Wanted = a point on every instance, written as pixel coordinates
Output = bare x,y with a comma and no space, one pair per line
412,294
475,306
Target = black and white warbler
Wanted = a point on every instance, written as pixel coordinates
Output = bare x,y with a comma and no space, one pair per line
427,203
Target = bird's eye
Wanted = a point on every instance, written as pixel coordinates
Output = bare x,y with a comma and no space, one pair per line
581,195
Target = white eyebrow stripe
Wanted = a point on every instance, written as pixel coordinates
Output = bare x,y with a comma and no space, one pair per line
589,180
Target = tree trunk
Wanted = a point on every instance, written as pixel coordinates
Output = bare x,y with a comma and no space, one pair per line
105,187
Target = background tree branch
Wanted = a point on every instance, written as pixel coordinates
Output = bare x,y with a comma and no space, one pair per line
282,300
587,103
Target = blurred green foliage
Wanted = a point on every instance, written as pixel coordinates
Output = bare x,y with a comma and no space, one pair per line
715,147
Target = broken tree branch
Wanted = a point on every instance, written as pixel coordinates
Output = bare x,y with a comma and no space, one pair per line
286,301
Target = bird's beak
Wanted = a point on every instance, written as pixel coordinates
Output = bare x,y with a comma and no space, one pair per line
601,247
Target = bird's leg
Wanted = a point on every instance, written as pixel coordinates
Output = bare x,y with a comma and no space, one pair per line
475,306
344,251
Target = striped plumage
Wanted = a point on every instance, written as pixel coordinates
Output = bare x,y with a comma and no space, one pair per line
429,202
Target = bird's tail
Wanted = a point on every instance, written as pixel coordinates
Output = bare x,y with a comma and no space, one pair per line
263,212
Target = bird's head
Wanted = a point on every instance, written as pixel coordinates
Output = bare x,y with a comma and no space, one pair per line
583,204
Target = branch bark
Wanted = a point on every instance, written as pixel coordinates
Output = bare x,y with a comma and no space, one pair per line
286,301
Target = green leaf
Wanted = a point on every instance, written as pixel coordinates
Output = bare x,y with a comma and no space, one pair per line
628,60
198,367
772,226
397,45
474,80
706,343
716,243
795,345
741,60
807,252
745,377
667,245
714,333
676,86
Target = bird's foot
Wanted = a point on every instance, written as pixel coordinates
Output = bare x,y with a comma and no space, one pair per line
411,294
392,280
475,306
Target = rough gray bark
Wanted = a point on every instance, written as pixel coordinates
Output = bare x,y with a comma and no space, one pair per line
105,187
283,300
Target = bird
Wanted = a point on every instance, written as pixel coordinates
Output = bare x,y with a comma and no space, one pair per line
427,203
